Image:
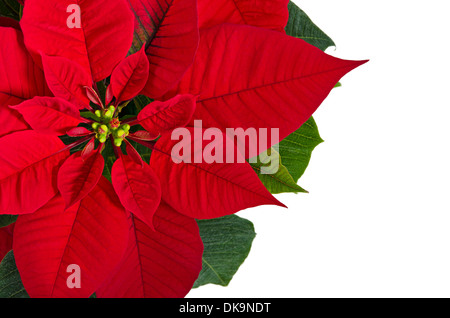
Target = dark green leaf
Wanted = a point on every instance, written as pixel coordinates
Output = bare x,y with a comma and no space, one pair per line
110,158
101,88
227,242
88,115
141,101
10,8
296,149
301,26
10,283
276,177
6,220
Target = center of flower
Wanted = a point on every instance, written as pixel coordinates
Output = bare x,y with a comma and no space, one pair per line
107,124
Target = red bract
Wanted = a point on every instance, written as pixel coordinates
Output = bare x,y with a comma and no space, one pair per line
137,237
97,46
169,32
270,14
280,78
20,79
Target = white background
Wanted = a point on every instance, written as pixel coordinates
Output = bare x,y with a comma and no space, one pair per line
376,222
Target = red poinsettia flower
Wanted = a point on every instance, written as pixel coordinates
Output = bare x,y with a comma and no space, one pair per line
73,215
136,236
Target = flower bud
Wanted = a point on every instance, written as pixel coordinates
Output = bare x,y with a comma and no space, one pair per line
120,133
126,127
103,129
108,114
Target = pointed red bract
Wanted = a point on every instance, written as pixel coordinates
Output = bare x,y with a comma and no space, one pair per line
78,132
169,30
28,170
67,79
49,115
78,176
93,96
138,188
206,190
134,154
269,14
161,263
20,79
130,76
98,45
11,119
278,83
143,135
92,235
160,117
89,149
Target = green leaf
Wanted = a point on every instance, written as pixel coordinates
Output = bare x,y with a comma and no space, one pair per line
10,8
301,26
141,101
6,220
273,174
110,158
227,242
10,282
101,87
296,149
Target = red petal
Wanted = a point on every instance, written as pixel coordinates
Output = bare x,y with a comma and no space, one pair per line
93,96
30,163
172,29
207,190
137,187
278,83
159,117
161,263
77,177
92,235
20,79
88,149
11,119
67,79
143,135
49,115
6,240
269,14
79,132
130,76
101,42
109,95
133,154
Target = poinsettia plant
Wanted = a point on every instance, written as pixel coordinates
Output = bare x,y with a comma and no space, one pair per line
92,198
